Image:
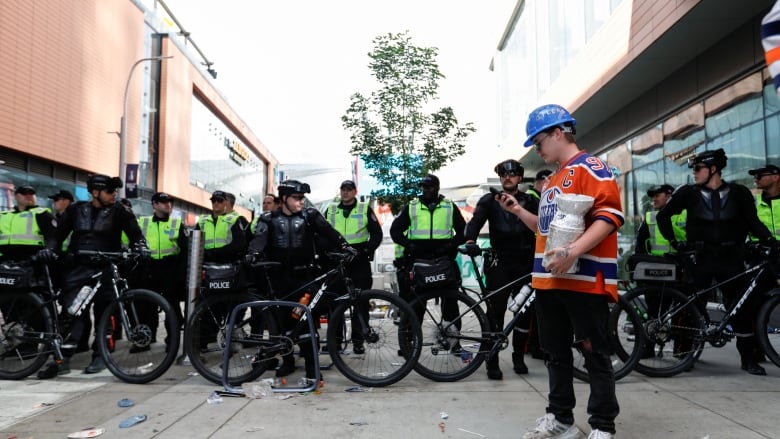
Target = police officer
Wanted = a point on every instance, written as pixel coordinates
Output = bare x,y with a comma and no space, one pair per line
271,202
720,215
224,230
60,201
648,239
27,230
541,177
357,223
768,201
94,225
429,227
167,241
512,257
287,235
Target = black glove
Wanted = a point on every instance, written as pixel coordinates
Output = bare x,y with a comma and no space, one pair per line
141,249
351,250
472,249
45,255
251,258
682,246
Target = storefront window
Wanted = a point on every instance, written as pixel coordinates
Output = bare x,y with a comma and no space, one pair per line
221,161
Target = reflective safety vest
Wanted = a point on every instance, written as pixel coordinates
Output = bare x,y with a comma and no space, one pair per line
353,228
162,236
21,228
657,243
425,225
217,235
769,214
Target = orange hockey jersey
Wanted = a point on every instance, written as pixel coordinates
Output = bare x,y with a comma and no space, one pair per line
584,174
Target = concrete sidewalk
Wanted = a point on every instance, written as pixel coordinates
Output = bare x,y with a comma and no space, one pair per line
715,400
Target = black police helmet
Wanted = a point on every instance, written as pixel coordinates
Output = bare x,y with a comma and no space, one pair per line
715,158
510,165
100,182
289,187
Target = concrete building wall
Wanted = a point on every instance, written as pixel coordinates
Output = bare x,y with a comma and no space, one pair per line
64,67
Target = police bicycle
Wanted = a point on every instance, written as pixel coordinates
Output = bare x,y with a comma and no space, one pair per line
255,343
677,330
31,328
454,349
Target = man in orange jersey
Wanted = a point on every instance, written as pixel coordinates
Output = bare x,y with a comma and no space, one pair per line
573,306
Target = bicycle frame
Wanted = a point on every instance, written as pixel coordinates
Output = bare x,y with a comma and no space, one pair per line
732,310
484,295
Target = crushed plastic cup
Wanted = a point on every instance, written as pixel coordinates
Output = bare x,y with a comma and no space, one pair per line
258,389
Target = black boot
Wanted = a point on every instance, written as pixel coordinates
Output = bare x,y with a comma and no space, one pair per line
518,363
493,371
287,367
750,366
746,346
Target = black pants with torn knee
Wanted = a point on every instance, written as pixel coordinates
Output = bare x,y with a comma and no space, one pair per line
567,317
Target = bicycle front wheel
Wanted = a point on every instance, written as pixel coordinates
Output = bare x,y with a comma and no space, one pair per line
25,330
142,315
625,339
384,335
768,328
205,339
455,335
673,340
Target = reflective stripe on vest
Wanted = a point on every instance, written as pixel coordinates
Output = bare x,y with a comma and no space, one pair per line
769,214
353,228
217,235
425,225
164,240
21,228
658,244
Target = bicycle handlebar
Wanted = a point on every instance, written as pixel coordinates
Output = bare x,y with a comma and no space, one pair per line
108,255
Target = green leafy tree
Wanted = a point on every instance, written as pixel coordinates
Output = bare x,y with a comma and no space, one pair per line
389,129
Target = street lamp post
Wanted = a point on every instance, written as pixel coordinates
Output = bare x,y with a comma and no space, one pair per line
123,124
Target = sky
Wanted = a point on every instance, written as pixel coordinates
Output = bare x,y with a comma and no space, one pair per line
289,67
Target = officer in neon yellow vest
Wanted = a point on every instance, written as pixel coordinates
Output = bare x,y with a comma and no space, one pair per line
428,227
165,272
649,239
357,223
541,177
271,202
27,230
768,201
224,230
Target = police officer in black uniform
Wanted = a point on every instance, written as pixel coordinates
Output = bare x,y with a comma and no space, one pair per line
287,235
720,215
95,225
512,256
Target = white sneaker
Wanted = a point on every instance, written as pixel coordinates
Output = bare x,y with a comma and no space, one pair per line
598,434
548,427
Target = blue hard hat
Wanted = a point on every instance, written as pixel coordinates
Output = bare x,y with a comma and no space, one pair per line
546,117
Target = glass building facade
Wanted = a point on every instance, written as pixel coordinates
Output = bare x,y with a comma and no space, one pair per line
717,95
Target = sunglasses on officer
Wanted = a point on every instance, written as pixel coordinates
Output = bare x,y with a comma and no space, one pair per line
504,174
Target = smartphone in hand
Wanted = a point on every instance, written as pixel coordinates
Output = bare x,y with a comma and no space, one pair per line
495,191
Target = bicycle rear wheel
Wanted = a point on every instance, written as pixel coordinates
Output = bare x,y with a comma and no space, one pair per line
672,342
625,339
389,336
25,330
768,328
451,350
205,339
137,358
